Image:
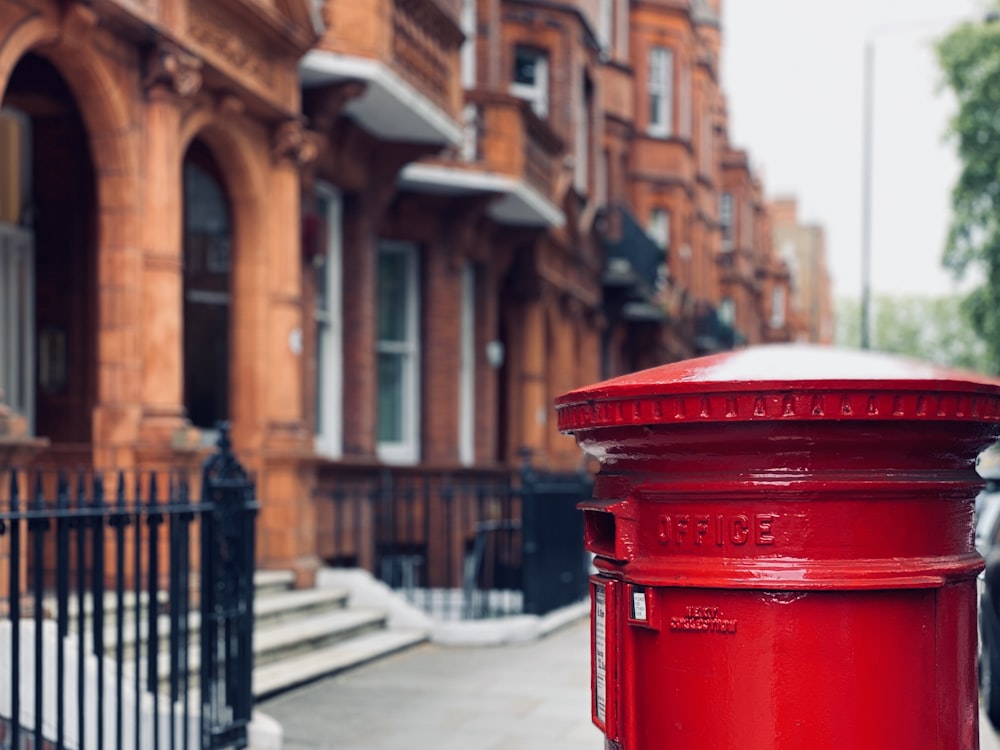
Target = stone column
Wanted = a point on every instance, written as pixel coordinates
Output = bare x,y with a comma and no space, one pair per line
288,513
172,75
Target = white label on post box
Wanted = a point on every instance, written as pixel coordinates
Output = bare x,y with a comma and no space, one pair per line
600,652
639,604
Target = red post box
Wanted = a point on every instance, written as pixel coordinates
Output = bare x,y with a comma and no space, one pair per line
784,544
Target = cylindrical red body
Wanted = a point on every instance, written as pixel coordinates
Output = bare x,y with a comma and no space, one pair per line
784,540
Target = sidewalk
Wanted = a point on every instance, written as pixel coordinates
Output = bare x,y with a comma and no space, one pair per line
523,696
988,737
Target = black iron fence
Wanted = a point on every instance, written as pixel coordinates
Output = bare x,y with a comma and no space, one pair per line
460,544
128,608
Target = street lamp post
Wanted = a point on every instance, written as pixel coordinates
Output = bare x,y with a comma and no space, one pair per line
866,195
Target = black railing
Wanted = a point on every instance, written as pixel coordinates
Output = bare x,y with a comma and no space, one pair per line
460,545
110,640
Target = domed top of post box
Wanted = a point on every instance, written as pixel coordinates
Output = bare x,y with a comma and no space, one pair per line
783,382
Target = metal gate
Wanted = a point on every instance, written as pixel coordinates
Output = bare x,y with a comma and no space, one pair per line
128,617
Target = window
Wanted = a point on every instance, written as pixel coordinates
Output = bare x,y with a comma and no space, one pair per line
531,78
659,227
17,285
726,220
467,373
778,307
207,244
468,54
17,269
329,330
661,91
398,353
605,24
727,312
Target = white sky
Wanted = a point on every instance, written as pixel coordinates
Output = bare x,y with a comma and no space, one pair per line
793,75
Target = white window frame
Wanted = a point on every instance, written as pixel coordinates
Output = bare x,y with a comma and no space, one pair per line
329,439
467,368
661,92
536,92
406,450
658,228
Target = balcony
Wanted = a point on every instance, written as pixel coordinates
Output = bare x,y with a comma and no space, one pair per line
406,52
508,151
712,334
633,259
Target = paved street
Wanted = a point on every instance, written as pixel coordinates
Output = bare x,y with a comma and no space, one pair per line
528,696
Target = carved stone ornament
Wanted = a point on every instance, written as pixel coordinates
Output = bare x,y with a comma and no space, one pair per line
169,66
292,143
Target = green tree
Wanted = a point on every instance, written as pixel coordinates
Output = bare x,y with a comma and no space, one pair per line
969,57
934,329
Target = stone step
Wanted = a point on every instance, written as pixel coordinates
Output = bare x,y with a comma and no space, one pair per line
271,581
277,606
269,609
266,583
286,640
291,672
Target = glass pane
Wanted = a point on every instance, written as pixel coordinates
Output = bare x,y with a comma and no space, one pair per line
655,109
390,398
206,297
392,294
525,67
320,372
206,228
322,286
320,261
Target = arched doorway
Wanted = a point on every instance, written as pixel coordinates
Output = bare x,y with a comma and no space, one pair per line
48,243
207,289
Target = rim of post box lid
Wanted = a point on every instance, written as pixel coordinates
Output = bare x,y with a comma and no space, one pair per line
808,386
783,382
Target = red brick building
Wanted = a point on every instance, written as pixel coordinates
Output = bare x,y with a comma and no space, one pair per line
803,248
375,236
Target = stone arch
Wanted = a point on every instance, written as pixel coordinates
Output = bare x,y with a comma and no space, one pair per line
100,99
239,154
31,32
64,40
